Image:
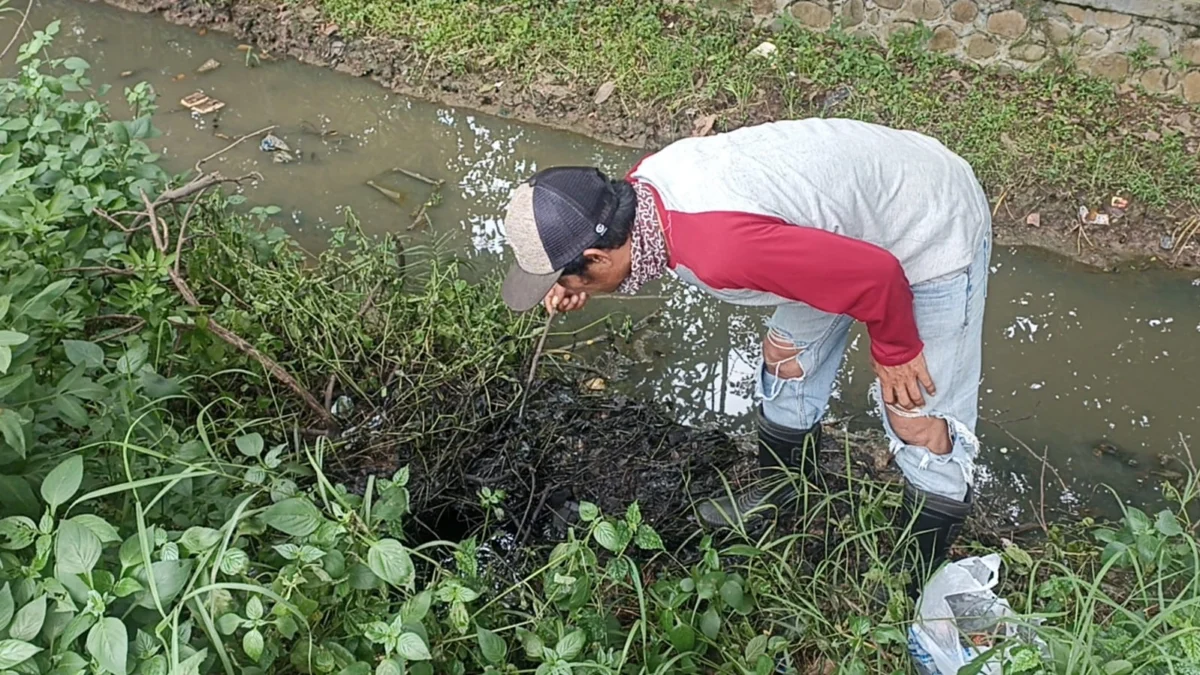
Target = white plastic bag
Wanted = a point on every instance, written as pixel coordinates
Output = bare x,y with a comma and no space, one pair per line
957,601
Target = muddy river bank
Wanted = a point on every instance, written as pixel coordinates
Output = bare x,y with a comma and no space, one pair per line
1136,236
1090,370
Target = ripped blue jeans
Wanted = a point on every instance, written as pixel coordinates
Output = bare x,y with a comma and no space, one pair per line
949,314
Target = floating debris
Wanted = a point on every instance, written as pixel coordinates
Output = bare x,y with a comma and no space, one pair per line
208,66
1167,242
201,103
342,406
1120,203
273,143
1034,219
126,73
282,157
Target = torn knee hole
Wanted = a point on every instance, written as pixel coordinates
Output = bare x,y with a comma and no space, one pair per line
922,431
779,355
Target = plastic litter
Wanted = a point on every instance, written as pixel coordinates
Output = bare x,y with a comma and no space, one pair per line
959,618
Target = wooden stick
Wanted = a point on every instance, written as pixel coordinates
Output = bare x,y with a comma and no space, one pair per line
416,176
231,338
234,144
537,354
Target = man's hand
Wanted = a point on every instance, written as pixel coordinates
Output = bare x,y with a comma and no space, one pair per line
559,299
902,384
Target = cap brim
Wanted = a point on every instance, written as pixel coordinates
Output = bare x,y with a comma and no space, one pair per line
523,291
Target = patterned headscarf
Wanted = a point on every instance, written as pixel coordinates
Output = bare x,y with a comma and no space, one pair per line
649,252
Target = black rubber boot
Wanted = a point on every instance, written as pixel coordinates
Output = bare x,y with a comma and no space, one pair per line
936,523
781,451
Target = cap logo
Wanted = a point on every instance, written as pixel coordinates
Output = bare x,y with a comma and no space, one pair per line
601,228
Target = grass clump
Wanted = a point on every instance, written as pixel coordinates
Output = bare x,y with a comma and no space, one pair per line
164,507
1054,128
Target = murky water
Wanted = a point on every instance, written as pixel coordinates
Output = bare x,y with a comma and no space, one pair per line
1073,358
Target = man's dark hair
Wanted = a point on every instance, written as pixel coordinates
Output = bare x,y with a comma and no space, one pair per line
618,230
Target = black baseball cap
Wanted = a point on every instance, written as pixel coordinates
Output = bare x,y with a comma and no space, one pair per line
552,218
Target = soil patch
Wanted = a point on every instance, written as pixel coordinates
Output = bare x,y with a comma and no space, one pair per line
1141,234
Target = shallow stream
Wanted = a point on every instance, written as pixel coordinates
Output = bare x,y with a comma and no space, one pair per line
1097,372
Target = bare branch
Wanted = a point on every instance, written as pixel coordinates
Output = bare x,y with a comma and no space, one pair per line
234,144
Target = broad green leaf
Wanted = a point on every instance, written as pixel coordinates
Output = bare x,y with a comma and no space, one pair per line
1119,667
412,647
252,644
77,548
388,667
229,623
250,445
15,652
389,560
7,606
571,645
77,64
588,512
234,562
710,624
127,587
682,638
76,627
84,353
35,305
199,539
731,593
532,644
29,619
1018,555
71,411
647,539
70,663
10,428
1167,524
756,647
633,515
170,576
5,359
108,643
296,516
416,607
606,535
254,608
99,527
9,384
5,303
491,646
9,338
63,481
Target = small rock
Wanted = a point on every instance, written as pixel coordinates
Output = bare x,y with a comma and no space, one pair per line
964,11
854,12
126,73
1190,52
342,406
1030,53
765,50
208,66
1158,80
981,47
1167,242
812,15
1156,38
1034,219
1007,24
596,384
1059,31
943,39
604,92
1191,86
1112,20
309,13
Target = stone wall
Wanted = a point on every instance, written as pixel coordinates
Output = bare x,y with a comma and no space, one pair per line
1154,44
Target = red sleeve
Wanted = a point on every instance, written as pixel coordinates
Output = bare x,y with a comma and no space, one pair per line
835,274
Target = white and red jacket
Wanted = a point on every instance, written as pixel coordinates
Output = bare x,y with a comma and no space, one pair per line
840,215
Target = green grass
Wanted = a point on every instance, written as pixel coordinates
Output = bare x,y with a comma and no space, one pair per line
1054,129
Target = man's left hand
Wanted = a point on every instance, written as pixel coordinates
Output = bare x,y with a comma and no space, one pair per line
902,384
